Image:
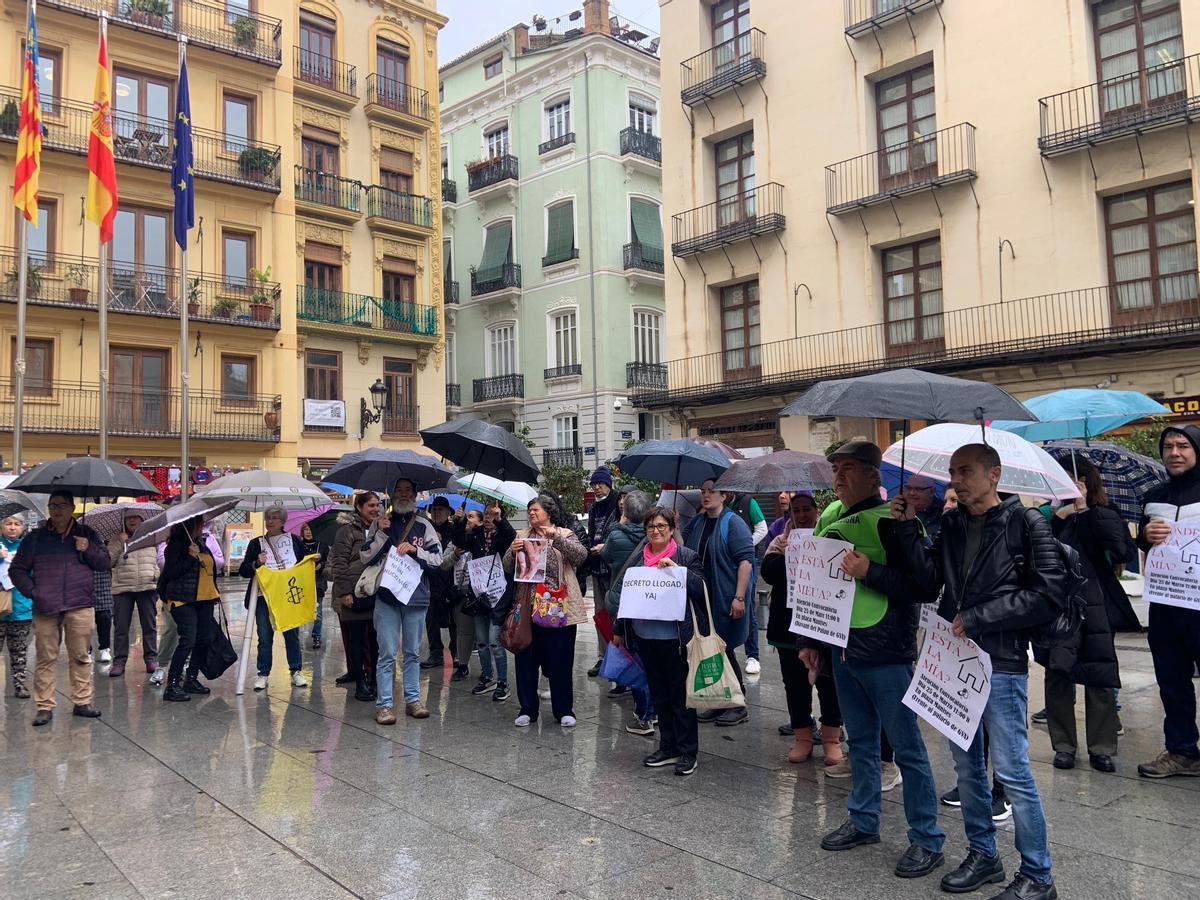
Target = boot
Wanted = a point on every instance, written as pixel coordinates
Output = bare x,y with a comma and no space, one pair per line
175,692
363,690
192,685
831,743
803,748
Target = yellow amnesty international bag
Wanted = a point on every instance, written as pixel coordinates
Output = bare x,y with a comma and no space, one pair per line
291,594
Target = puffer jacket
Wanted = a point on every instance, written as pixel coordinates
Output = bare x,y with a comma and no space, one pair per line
59,578
623,538
573,553
22,610
180,579
1000,600
345,564
133,572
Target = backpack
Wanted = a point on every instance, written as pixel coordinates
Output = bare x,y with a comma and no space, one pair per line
1067,622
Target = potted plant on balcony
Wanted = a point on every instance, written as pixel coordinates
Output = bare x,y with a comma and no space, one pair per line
10,119
33,279
193,297
476,164
226,307
77,279
245,32
261,306
256,164
149,12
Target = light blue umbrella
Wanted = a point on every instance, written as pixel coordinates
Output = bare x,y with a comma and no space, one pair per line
1081,413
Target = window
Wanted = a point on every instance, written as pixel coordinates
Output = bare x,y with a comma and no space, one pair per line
645,230
912,291
497,253
399,281
238,249
495,142
138,98
317,35
560,234
735,179
647,336
445,164
141,255
322,375
396,170
740,334
239,122
322,283
566,432
451,358
237,379
492,67
140,397
391,76
42,239
1139,45
564,339
400,409
447,266
235,9
643,114
49,78
319,157
501,350
651,427
730,33
558,118
1152,251
318,175
39,366
907,124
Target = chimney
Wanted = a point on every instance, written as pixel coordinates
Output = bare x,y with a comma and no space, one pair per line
595,17
520,39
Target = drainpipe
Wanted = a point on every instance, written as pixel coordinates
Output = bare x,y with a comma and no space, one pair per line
587,91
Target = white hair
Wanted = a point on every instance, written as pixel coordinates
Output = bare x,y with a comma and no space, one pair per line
276,511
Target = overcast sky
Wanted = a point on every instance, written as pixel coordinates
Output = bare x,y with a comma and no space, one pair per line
474,21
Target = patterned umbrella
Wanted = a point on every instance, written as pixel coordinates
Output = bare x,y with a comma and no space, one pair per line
1126,475
109,520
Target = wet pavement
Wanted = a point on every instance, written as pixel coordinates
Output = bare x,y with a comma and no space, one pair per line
296,792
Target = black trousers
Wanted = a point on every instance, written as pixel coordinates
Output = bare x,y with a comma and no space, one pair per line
666,672
552,651
196,627
800,692
362,648
433,630
104,627
1175,648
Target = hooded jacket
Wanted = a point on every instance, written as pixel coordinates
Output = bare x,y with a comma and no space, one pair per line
345,565
1179,499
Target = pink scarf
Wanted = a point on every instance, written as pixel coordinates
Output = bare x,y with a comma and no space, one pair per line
652,559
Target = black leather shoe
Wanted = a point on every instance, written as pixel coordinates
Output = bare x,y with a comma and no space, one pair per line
847,837
175,692
432,662
344,678
1102,762
973,873
1023,888
786,730
731,717
1064,760
86,711
660,758
363,691
918,862
193,686
595,670
43,717
708,715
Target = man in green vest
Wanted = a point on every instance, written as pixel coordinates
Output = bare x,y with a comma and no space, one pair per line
873,672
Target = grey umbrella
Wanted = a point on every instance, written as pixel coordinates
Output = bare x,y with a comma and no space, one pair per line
15,503
154,529
783,470
259,489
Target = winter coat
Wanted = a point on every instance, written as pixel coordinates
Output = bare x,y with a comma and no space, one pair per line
133,571
321,551
22,610
573,553
422,535
623,538
250,561
730,545
180,579
345,565
476,544
689,560
601,518
59,578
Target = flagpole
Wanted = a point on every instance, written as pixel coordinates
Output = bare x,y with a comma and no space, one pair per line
184,472
19,362
102,319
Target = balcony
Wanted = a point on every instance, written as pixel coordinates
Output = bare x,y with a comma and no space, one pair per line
73,282
450,293
401,422
558,259
1142,101
328,195
325,78
146,142
714,225
563,456
929,162
505,278
398,211
1049,328
865,16
453,395
563,140
572,371
650,377
214,26
397,102
498,388
397,321
73,408
641,151
449,190
492,177
714,71
644,257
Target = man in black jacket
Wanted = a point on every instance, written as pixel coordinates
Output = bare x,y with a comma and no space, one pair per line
1002,576
1174,631
441,585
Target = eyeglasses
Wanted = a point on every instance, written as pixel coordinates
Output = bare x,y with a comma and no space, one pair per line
661,526
58,506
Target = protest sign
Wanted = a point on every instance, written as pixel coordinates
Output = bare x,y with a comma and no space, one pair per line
791,561
653,593
487,577
401,575
280,552
1173,569
531,560
823,595
952,683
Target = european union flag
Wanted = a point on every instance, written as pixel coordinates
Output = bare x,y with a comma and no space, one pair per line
182,178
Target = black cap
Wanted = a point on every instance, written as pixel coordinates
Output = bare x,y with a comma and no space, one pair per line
863,451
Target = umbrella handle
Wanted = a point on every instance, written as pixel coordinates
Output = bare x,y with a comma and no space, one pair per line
903,446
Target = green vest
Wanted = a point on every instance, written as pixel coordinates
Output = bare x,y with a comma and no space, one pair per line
862,530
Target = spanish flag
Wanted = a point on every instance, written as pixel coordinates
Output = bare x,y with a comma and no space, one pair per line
102,169
29,135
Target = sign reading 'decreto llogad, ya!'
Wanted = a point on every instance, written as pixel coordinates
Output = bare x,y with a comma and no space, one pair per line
952,683
1173,568
822,595
652,593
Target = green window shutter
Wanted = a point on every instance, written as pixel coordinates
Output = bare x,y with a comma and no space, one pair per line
496,252
647,229
560,233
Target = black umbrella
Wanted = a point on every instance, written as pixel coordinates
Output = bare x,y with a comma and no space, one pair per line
377,468
17,503
674,461
480,446
783,470
85,476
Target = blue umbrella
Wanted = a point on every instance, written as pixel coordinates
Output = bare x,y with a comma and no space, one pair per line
455,501
676,461
892,482
1126,475
1081,413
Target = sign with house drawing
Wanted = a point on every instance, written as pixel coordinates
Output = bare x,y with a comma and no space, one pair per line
820,594
951,684
1173,568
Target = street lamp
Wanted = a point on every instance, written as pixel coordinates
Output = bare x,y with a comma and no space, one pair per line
379,393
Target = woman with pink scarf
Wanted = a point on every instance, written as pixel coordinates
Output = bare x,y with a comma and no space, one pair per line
662,647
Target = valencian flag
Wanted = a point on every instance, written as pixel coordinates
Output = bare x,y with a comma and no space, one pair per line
182,182
29,140
102,170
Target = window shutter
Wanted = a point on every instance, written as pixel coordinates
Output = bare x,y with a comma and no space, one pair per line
560,233
647,230
496,250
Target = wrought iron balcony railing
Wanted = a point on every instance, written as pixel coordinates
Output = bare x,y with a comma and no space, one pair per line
639,143
450,293
505,277
753,212
1145,99
398,206
240,32
397,96
493,171
146,141
864,16
74,281
73,408
325,72
454,395
643,256
555,143
322,188
648,376
498,387
402,420
563,456
572,371
732,63
449,190
356,311
921,164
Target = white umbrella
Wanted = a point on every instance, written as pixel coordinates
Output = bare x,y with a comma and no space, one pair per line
1025,468
259,489
515,493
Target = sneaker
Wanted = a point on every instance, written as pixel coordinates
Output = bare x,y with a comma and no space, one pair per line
416,710
731,717
708,715
461,673
686,766
595,670
951,798
567,721
660,758
753,666
298,680
644,727
260,682
619,692
105,655
522,721
839,770
385,716
484,685
1039,717
1167,764
1120,728
316,642
501,693
157,676
21,692
889,776
1001,809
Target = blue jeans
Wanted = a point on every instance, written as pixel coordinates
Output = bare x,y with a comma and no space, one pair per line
752,638
487,641
266,638
1004,719
316,629
870,695
395,623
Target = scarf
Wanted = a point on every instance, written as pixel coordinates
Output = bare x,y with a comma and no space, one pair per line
652,559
